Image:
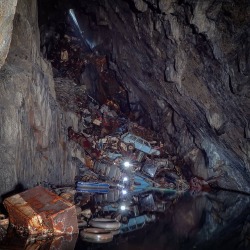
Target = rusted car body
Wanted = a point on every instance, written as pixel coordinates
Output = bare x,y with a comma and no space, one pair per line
81,139
39,211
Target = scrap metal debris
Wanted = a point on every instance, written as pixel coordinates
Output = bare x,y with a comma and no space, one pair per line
127,177
125,181
125,170
39,211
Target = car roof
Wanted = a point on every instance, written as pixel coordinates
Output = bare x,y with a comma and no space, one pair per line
138,137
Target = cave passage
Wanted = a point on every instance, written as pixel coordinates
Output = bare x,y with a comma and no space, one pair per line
136,112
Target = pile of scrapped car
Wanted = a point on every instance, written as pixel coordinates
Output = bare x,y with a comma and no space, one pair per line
115,150
122,175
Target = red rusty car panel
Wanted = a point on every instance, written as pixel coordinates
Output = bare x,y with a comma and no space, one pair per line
40,211
83,142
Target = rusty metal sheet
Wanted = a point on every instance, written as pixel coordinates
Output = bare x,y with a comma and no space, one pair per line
84,142
40,211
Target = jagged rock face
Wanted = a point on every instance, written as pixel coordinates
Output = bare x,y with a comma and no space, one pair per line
34,146
7,12
187,64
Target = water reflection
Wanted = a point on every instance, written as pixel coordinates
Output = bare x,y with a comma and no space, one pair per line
216,220
154,220
12,241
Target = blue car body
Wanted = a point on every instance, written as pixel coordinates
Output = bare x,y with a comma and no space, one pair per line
139,143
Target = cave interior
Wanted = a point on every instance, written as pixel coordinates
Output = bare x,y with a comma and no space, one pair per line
178,69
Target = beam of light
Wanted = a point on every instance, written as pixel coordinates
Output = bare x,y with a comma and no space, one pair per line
73,16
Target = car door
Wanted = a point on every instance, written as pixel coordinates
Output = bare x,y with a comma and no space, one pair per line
139,144
147,147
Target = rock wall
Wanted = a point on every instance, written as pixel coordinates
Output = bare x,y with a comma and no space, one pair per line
187,63
34,147
7,12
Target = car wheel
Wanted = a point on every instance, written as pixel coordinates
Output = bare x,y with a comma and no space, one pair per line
131,147
124,219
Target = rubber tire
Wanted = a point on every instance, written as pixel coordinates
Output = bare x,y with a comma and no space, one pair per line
96,235
104,223
82,223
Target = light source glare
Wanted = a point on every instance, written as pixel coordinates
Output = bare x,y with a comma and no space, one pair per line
125,178
124,191
123,207
126,164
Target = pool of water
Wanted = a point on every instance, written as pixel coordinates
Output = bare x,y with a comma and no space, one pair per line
216,220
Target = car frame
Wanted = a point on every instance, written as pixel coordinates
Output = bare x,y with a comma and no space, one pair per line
139,143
